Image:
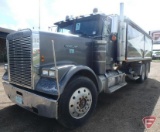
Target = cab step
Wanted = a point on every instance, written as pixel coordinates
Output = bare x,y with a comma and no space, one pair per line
116,87
133,77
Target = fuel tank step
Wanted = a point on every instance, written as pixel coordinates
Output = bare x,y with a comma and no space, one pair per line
116,87
115,80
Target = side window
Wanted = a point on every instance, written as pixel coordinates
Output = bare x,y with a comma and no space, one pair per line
107,26
88,28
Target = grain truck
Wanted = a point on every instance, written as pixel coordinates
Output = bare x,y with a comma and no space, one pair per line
60,75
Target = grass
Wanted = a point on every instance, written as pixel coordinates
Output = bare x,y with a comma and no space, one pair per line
156,60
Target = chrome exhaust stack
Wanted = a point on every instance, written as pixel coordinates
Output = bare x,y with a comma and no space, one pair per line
121,36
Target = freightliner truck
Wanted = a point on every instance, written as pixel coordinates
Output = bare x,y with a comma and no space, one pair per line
60,75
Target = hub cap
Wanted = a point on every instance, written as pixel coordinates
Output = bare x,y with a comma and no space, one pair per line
80,103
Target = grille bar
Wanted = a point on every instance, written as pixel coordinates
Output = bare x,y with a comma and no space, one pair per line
20,61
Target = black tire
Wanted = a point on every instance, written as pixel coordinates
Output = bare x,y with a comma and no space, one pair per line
146,70
142,76
64,116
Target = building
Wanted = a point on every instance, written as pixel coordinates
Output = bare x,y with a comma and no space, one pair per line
3,52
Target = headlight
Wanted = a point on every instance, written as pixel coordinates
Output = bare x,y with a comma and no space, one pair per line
45,72
5,66
49,73
52,73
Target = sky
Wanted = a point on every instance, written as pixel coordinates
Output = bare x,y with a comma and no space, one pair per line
20,14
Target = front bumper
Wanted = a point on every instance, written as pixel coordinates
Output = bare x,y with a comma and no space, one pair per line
38,104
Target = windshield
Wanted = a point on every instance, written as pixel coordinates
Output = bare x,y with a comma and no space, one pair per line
86,27
65,27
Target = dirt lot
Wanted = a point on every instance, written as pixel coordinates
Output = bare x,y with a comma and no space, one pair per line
120,112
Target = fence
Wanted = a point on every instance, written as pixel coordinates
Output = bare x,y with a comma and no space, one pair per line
3,53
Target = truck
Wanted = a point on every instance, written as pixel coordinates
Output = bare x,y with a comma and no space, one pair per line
60,74
155,34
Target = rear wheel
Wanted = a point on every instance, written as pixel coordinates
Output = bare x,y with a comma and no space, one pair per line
142,76
146,70
77,102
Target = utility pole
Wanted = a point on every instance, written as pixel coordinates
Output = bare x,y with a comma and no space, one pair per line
39,15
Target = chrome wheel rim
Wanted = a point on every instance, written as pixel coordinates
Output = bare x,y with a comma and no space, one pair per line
80,102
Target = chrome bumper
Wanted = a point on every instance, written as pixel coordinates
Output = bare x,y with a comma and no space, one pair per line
35,103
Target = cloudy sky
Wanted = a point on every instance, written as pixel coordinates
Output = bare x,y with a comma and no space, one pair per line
19,14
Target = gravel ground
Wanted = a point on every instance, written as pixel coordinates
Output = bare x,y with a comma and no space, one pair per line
121,111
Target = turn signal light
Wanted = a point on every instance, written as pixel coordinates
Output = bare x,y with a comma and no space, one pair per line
114,38
42,58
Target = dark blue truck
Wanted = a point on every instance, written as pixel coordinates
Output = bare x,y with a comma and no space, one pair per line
60,75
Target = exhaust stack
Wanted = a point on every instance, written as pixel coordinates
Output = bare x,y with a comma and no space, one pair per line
121,12
122,36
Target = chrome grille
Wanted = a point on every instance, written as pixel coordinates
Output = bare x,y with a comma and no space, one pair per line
20,61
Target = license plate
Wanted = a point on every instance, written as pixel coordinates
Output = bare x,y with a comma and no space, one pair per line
19,100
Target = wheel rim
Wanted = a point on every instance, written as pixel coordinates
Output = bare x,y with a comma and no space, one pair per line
80,102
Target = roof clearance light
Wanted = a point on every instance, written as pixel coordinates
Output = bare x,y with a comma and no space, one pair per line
95,10
67,18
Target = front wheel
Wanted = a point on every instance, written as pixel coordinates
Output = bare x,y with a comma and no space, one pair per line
77,102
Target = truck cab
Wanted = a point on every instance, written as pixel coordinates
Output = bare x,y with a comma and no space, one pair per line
95,27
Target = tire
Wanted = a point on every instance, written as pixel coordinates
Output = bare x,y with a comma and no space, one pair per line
142,76
146,70
77,102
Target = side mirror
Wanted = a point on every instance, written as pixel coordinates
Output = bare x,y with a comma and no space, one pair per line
114,27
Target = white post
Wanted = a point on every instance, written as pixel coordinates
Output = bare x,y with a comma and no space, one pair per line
54,59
